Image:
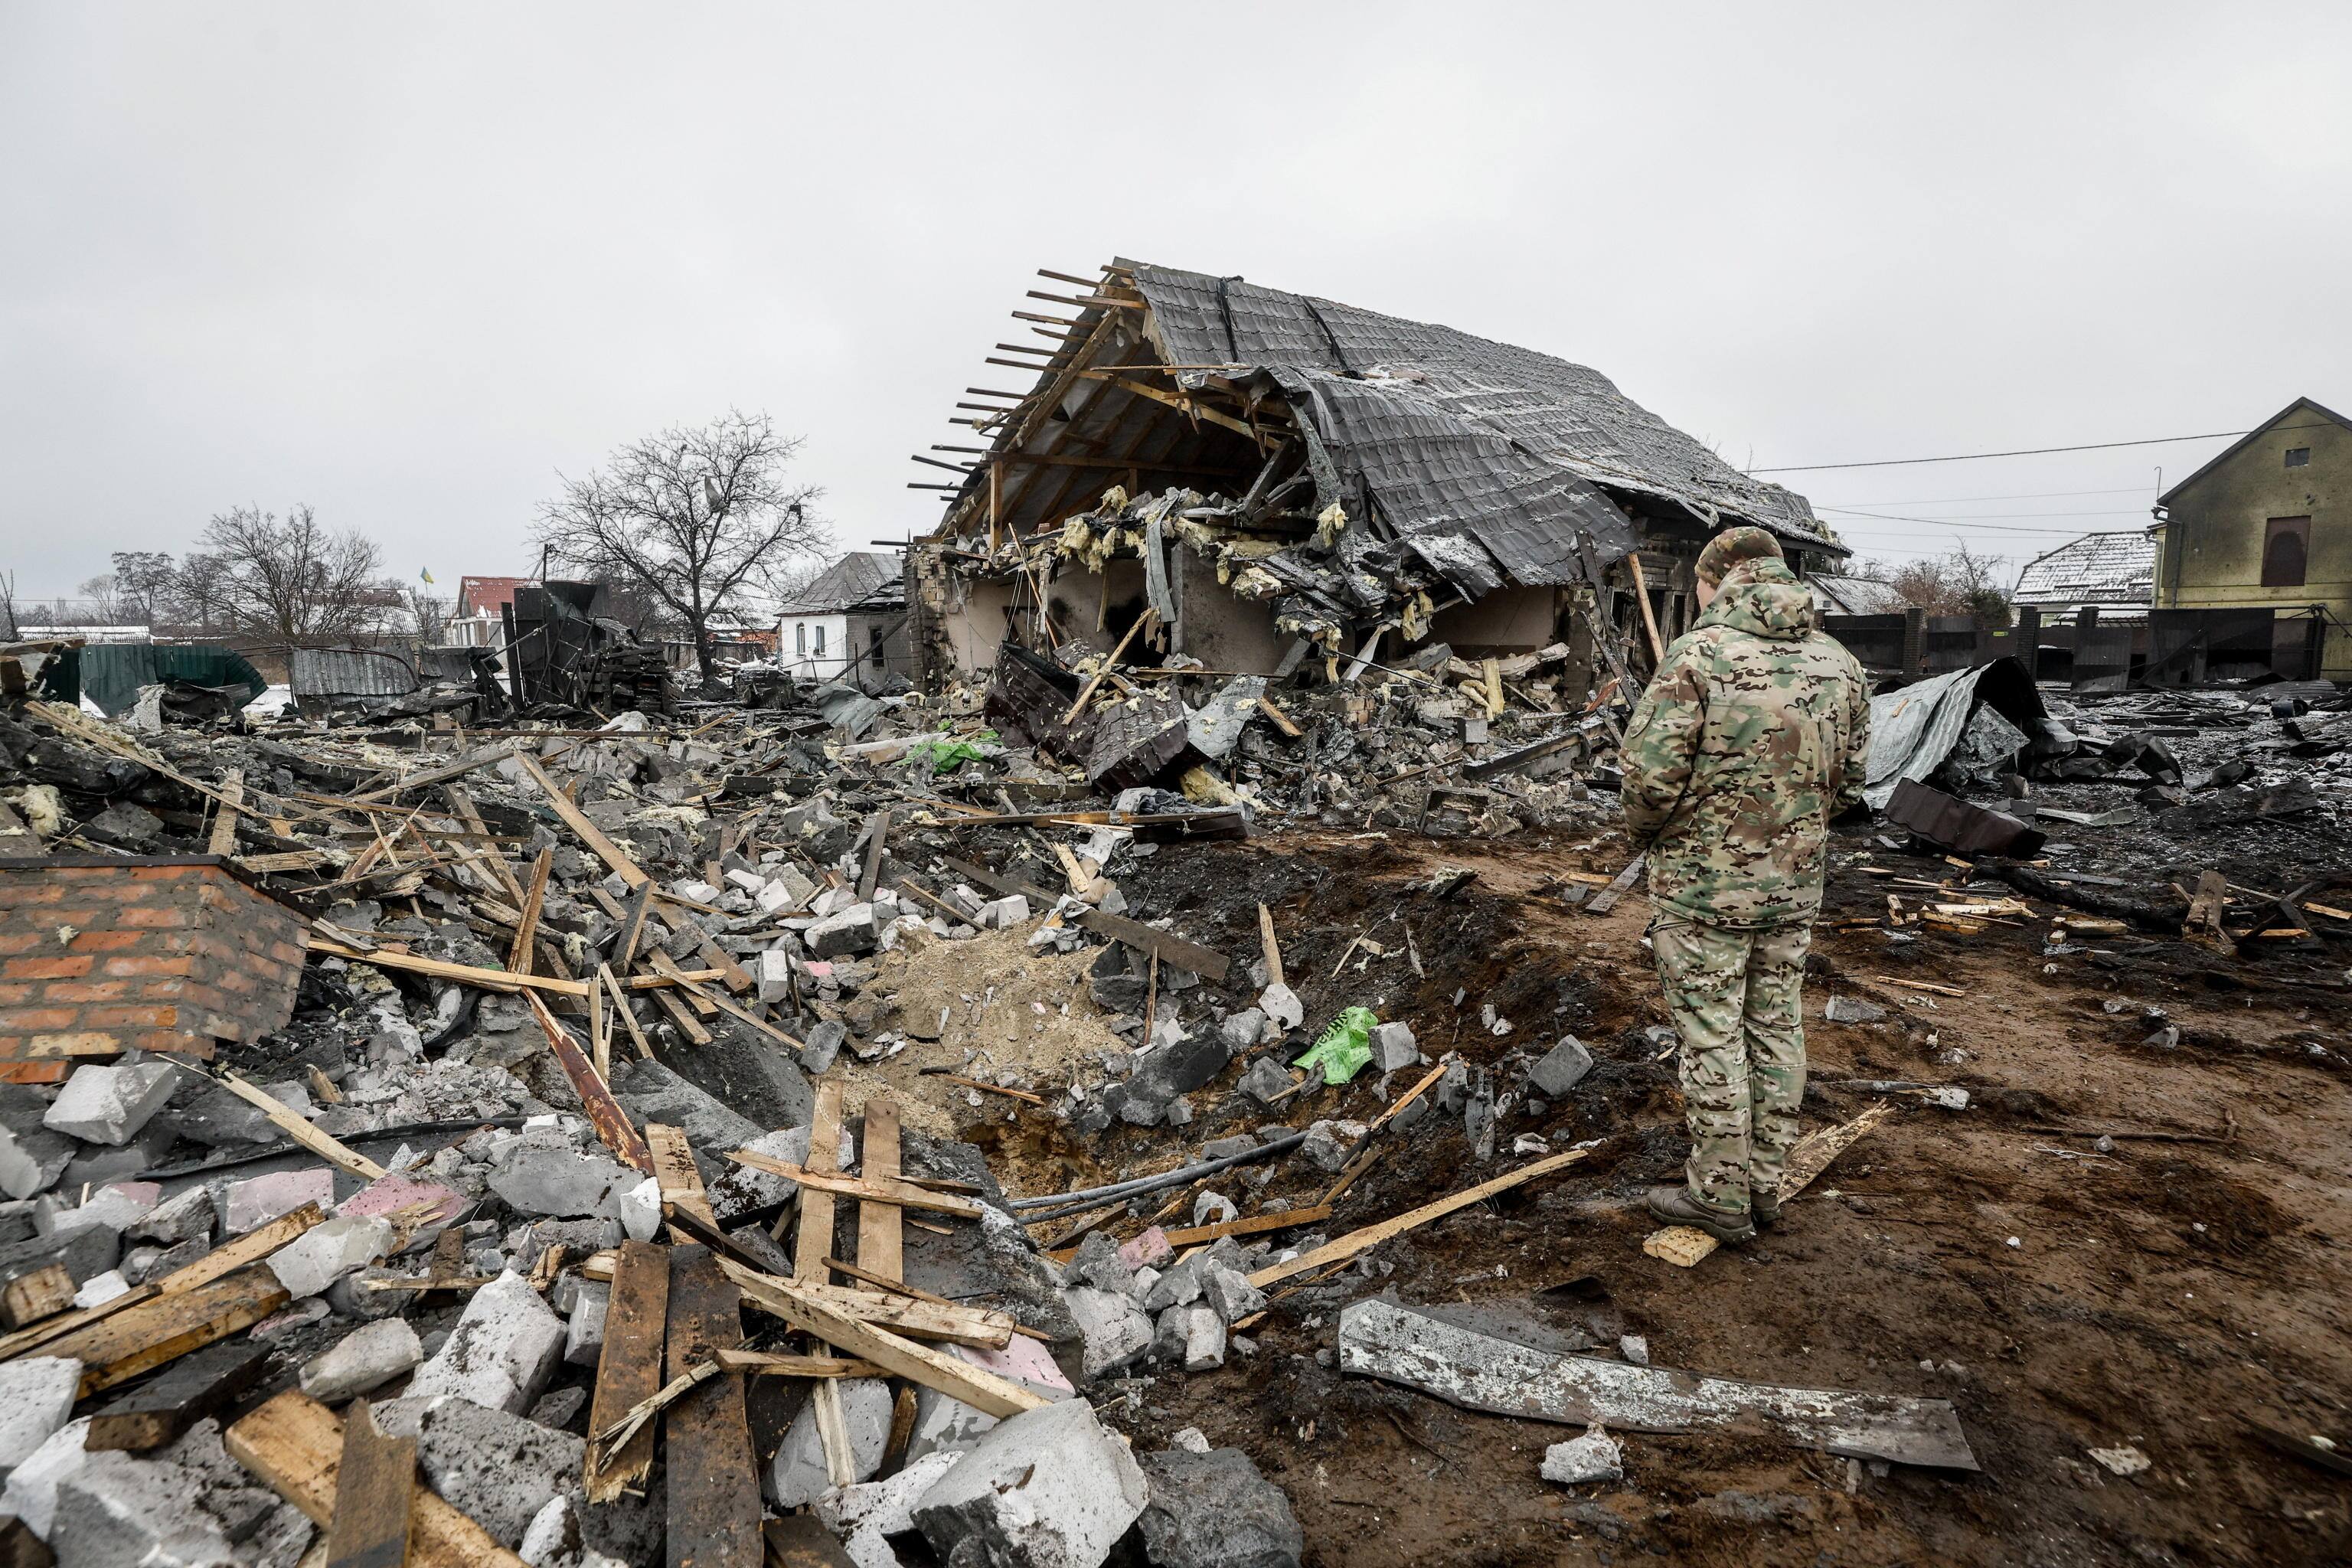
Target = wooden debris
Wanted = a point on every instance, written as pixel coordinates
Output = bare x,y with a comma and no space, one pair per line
296,1444
629,1368
812,1312
463,973
518,953
713,1482
604,1112
881,1240
375,1494
814,1242
168,1326
299,1128
160,1410
680,1178
587,832
1362,1240
1271,948
36,1292
1601,902
905,1194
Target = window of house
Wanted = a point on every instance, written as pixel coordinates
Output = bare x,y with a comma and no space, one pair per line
820,635
2298,457
875,647
2286,550
800,637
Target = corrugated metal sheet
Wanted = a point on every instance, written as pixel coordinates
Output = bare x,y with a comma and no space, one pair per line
1913,730
110,674
349,672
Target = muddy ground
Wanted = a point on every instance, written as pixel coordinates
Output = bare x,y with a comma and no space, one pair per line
2168,1295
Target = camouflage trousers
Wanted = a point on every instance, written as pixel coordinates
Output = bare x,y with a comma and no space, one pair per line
1736,997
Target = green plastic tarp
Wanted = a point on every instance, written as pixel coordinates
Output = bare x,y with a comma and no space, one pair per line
1344,1047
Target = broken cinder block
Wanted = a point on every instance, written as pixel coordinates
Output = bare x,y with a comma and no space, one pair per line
1050,1488
501,1352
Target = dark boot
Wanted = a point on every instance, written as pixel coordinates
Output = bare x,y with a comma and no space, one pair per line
1763,1208
1675,1206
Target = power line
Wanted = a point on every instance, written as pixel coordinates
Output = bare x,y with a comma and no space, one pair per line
2021,495
1994,516
2026,451
1942,525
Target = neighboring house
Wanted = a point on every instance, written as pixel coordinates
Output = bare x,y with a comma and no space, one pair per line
2115,570
1837,596
476,621
853,615
2260,539
1260,467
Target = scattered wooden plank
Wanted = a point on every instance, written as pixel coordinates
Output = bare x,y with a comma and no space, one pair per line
683,1016
822,1185
801,1541
1601,902
813,1243
604,1112
621,1006
629,1368
441,774
223,839
519,953
1198,1235
1281,721
673,1167
1685,1246
713,1481
876,838
881,1240
463,973
1273,949
296,1444
295,1126
1189,956
375,1494
987,1088
1087,692
810,1311
1917,985
160,1410
1362,1240
37,1291
587,832
168,1326
1480,1372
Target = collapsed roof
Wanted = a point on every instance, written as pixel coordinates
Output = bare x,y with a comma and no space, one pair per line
1477,462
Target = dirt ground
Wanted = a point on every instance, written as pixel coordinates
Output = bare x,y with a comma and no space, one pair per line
2168,1295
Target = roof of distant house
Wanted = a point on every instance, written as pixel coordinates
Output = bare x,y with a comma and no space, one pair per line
1856,596
481,595
861,580
2116,568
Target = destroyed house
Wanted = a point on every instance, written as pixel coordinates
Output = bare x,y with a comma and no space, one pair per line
1263,468
850,620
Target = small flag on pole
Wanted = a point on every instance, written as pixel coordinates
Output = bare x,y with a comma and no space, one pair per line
425,572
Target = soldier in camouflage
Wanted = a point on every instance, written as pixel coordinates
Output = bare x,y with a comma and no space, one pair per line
1753,734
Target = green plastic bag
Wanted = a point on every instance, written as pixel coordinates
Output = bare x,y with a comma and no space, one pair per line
1344,1047
946,756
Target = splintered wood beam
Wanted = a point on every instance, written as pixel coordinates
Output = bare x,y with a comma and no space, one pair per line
680,1178
604,1112
1372,1235
375,1496
813,1243
587,832
713,1478
163,1407
296,1444
880,1239
1049,320
223,840
518,953
629,1368
809,1311
501,980
285,1119
1088,301
167,1327
825,1184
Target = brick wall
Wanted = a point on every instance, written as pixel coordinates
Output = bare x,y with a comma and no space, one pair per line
99,954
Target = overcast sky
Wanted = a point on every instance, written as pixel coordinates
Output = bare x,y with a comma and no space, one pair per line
406,263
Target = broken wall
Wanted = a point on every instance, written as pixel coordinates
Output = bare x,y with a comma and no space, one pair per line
1511,619
1217,626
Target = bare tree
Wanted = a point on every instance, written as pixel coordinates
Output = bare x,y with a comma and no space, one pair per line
696,517
294,580
1961,583
199,590
105,608
8,605
143,582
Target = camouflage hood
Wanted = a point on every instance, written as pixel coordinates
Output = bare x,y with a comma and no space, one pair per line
1764,599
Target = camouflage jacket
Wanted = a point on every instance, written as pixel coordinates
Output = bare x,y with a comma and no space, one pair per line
1752,736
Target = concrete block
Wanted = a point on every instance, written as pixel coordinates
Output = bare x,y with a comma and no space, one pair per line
1004,913
1595,1457
651,1092
325,1253
798,1476
639,1208
1241,1030
1394,1048
583,1337
1265,1081
1281,1004
495,1467
864,1515
1115,1330
37,1398
100,1289
32,1154
118,1206
1327,1143
32,1491
1100,1264
389,1192
846,932
772,971
118,1508
943,1425
1231,1293
108,1104
255,1202
823,1047
188,1217
1152,1249
1213,1510
502,1351
1204,1338
1178,1286
537,1179
1562,1067
365,1359
1050,1488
